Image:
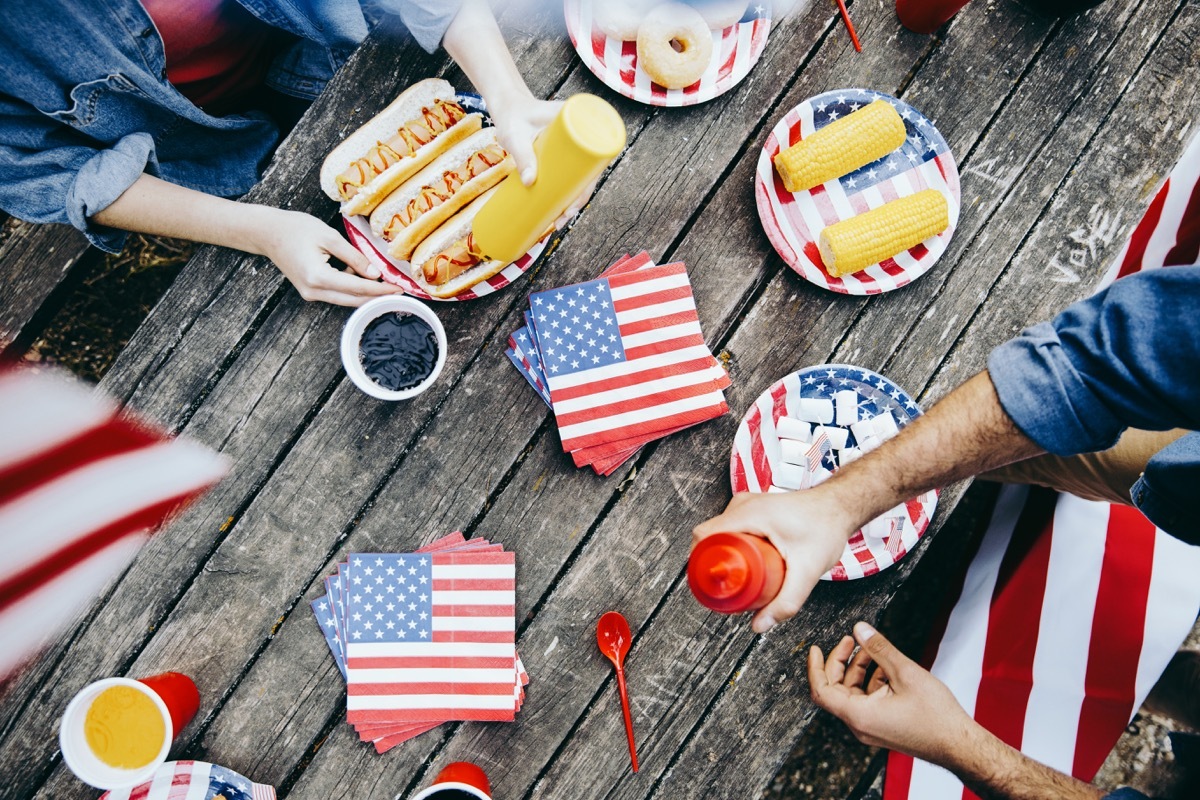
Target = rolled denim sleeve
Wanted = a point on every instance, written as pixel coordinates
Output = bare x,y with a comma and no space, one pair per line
1127,357
50,173
1125,793
426,20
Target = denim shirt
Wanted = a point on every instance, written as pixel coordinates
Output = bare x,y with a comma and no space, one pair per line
1127,357
85,105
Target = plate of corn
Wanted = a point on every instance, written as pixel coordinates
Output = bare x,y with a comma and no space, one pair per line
857,191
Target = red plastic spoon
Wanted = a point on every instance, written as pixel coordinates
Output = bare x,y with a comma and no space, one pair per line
614,637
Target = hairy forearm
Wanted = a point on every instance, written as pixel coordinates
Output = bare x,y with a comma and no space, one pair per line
154,206
966,433
474,41
996,771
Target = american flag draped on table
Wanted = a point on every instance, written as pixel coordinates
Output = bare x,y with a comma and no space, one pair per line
621,360
1071,609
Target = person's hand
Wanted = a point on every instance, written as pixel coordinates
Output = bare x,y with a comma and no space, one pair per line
300,245
903,707
519,119
808,530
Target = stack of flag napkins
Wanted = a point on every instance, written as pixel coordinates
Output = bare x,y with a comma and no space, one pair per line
424,638
621,360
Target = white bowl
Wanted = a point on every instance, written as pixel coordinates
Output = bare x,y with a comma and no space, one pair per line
79,756
357,324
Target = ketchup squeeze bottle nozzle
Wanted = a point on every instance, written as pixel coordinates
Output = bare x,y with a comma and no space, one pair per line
572,151
735,572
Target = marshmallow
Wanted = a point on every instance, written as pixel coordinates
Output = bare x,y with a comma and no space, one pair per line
773,489
837,436
846,404
788,428
848,456
815,409
878,528
870,443
885,426
794,452
789,476
862,430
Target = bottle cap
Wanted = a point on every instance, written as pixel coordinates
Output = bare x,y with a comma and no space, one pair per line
729,572
594,125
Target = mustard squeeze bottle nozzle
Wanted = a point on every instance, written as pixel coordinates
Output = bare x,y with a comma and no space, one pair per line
585,137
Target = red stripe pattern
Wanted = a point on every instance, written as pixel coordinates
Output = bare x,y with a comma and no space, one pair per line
80,487
793,222
736,49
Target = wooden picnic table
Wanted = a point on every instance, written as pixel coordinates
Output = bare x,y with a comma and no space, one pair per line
1061,130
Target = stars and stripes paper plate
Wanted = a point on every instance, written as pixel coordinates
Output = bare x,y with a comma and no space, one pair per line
794,221
735,51
194,780
757,455
358,230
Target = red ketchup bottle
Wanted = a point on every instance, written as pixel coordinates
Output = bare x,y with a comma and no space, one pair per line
735,572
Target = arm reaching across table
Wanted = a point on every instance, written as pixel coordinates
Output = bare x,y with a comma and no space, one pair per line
1127,356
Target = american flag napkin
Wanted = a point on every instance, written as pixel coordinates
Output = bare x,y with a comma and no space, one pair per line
194,780
621,360
424,637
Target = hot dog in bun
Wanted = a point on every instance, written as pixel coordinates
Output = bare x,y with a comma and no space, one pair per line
426,200
447,261
420,124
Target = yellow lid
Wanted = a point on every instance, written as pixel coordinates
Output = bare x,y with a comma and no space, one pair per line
594,125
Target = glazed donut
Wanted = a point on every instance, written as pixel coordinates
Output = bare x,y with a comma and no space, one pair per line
720,14
674,46
620,19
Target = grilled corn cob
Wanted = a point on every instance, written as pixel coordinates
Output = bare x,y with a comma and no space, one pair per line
841,147
856,243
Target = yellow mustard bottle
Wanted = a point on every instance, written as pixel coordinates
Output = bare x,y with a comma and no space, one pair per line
572,151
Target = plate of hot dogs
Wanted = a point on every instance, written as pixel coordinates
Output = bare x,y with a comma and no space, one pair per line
410,182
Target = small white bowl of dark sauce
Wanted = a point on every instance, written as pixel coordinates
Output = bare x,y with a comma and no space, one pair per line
393,348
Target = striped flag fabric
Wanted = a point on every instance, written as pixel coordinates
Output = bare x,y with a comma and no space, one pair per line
194,780
81,488
1067,615
621,360
424,637
1071,609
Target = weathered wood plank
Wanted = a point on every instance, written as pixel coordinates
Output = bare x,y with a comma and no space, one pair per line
34,260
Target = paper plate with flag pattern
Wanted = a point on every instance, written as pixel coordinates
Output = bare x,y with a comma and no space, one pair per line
735,51
794,221
757,457
194,780
358,231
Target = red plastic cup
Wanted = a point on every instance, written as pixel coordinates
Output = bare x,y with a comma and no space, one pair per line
926,16
178,693
735,572
461,780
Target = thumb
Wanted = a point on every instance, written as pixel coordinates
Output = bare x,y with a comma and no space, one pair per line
883,652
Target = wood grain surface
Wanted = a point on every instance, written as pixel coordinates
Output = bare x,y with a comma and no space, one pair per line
1061,130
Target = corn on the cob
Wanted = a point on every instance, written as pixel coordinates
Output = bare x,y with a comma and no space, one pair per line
856,243
841,147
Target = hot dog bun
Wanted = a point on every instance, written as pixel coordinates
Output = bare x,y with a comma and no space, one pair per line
404,109
446,181
451,232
